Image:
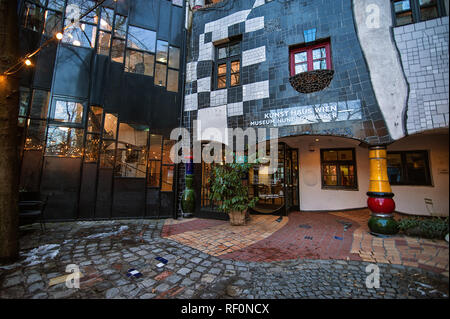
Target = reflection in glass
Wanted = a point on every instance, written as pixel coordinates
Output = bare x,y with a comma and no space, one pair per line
172,80
64,141
160,74
162,48
83,36
24,101
428,9
155,147
222,76
120,26
104,39
95,119
167,149
300,57
141,39
53,22
92,145
68,111
416,168
174,58
167,178
56,5
39,104
154,174
106,20
394,169
235,73
35,135
139,62
110,126
131,151
107,151
33,17
302,67
117,50
85,6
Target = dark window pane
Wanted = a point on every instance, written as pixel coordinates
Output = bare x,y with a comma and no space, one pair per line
234,50
167,148
160,74
404,18
67,111
53,23
345,155
155,147
394,168
428,9
174,58
35,135
162,48
107,152
95,119
172,81
117,50
39,104
64,141
416,168
24,101
33,17
154,173
141,39
92,148
104,39
222,53
330,155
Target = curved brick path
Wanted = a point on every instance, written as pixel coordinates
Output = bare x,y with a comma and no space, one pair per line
307,235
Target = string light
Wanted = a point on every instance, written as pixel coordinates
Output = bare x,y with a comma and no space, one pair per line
23,61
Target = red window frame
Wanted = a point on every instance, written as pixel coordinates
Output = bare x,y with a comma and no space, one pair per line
309,57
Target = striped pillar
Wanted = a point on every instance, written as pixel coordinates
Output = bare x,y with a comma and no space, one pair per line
380,194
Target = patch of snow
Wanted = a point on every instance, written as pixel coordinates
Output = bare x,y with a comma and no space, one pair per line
41,254
103,235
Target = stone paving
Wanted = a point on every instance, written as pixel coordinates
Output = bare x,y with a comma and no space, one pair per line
105,251
309,235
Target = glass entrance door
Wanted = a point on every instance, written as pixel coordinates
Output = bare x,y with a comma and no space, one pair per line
278,191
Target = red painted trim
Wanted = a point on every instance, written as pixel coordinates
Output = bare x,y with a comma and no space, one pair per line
308,50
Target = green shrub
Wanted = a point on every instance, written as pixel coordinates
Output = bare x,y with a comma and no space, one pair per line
436,227
227,188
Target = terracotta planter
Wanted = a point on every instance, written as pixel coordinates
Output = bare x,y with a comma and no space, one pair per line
238,218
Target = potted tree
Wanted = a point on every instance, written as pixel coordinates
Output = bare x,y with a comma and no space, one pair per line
230,193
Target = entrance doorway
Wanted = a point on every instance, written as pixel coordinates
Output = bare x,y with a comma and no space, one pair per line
277,192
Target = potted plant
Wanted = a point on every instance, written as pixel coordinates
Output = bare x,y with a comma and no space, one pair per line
230,193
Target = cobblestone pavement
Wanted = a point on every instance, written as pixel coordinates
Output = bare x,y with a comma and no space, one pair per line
340,235
105,251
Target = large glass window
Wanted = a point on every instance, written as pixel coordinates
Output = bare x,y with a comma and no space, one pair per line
141,39
412,11
53,22
338,168
228,65
39,104
408,168
33,17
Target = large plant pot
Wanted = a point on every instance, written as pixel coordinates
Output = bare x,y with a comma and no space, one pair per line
238,218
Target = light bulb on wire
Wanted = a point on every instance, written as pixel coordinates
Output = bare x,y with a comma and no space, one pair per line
27,62
59,36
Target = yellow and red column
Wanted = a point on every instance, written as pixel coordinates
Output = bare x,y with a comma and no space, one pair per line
380,194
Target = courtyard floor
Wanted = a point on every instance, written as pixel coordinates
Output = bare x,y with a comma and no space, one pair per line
304,255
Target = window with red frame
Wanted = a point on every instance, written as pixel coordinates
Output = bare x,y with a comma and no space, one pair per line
316,57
